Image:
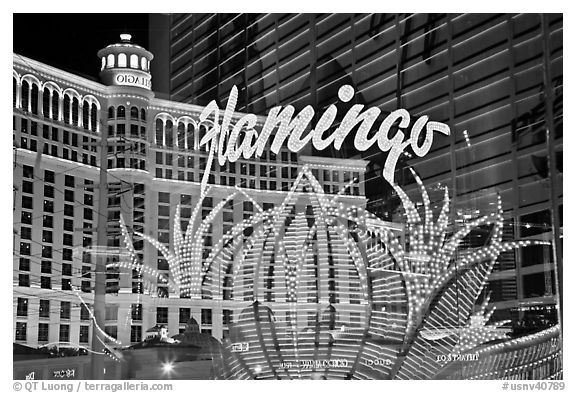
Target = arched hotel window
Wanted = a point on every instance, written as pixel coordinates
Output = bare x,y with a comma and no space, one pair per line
143,114
159,132
75,111
169,134
66,109
134,113
133,61
122,60
111,112
190,136
181,138
103,63
121,112
24,95
86,115
46,102
202,128
143,64
94,118
14,91
34,98
55,102
110,62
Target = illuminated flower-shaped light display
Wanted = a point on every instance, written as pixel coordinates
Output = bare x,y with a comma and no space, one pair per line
308,262
318,288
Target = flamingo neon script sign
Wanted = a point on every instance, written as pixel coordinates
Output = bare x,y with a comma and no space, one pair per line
292,128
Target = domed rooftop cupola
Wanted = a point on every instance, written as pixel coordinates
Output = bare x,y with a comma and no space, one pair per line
126,64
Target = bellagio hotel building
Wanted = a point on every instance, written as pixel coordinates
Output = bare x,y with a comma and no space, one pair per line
154,164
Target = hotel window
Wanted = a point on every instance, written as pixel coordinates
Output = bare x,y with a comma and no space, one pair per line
136,312
143,64
21,331
84,312
121,112
24,95
169,134
143,114
44,311
75,111
27,202
135,334
34,99
45,282
24,248
46,102
66,108
206,316
26,233
64,310
159,132
48,222
161,314
122,60
66,269
46,267
84,334
110,61
43,330
64,333
24,264
134,113
55,102
133,61
23,280
67,254
26,217
28,172
22,307
85,114
184,315
69,181
121,130
69,211
66,284
111,112
226,317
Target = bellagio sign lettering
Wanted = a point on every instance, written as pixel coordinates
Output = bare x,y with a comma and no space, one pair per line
127,79
243,140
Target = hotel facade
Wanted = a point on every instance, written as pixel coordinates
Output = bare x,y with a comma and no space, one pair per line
495,79
155,165
311,256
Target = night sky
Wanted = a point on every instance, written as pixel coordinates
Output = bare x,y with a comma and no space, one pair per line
71,41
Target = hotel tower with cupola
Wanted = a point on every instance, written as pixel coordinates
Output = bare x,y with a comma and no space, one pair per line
155,165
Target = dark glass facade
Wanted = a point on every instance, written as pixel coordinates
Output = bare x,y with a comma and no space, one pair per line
496,79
